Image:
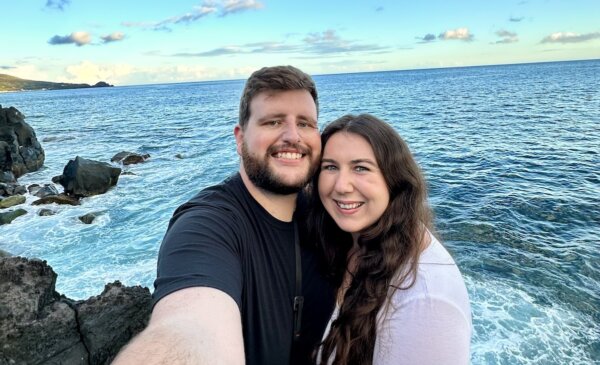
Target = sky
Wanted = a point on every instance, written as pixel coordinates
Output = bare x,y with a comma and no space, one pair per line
130,42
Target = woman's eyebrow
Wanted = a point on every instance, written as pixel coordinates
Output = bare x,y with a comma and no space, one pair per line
363,160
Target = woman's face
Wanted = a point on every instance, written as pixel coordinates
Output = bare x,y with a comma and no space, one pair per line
351,185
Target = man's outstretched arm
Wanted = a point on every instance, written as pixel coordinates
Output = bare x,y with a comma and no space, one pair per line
197,325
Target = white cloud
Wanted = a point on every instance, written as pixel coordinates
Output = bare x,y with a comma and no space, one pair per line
29,72
507,37
225,7
569,37
236,6
113,37
462,34
79,38
124,74
90,73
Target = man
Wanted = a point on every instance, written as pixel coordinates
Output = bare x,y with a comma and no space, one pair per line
228,288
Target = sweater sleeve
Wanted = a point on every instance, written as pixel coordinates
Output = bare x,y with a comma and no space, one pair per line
424,330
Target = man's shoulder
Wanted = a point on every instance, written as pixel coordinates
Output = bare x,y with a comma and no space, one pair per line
226,194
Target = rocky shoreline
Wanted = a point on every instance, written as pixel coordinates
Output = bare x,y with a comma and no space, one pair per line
37,324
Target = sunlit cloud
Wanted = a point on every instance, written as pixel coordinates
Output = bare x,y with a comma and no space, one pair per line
568,37
223,8
236,6
125,74
113,37
90,73
57,4
507,37
462,34
27,71
78,38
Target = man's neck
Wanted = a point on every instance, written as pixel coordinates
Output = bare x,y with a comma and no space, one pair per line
279,206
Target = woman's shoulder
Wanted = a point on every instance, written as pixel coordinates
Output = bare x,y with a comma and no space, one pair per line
438,280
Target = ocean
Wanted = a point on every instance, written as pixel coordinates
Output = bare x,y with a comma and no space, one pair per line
511,154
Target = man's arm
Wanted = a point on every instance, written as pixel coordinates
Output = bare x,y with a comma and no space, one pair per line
198,325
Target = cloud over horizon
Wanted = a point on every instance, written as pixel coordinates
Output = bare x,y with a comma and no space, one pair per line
569,37
462,34
57,4
79,38
427,38
224,8
113,37
515,19
327,42
507,37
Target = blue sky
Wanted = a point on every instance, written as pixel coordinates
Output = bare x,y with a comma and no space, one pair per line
128,42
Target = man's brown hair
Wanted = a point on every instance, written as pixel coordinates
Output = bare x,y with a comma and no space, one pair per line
277,78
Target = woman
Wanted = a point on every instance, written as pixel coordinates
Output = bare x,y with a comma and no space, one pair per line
401,298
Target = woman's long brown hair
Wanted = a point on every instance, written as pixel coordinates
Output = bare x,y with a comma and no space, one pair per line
388,250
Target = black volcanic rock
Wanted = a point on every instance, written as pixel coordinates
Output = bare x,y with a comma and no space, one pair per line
61,199
12,189
7,177
89,217
38,325
46,190
129,158
20,151
82,177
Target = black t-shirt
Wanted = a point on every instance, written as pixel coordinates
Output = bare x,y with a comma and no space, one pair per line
224,239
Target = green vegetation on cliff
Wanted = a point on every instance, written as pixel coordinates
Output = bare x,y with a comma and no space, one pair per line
11,83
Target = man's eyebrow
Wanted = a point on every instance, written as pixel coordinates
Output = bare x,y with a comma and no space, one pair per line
271,116
307,118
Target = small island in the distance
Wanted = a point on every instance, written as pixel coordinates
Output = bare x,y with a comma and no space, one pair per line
11,83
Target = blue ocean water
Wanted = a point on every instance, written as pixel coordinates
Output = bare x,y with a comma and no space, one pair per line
512,156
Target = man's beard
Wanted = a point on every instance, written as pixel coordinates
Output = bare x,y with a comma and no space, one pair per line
260,174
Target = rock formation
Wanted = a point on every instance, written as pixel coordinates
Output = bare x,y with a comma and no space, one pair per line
20,151
129,158
8,217
38,325
82,177
12,189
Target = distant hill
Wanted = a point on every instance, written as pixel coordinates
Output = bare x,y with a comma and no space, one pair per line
11,83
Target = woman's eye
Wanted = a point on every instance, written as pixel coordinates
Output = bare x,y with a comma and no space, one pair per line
328,167
361,168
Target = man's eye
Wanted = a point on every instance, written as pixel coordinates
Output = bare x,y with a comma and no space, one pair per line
272,122
306,124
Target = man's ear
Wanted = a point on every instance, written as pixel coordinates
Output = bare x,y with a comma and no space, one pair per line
238,132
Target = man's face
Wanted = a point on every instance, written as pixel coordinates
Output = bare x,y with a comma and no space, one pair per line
280,145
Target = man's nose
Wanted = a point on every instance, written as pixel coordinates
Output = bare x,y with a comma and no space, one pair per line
291,134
